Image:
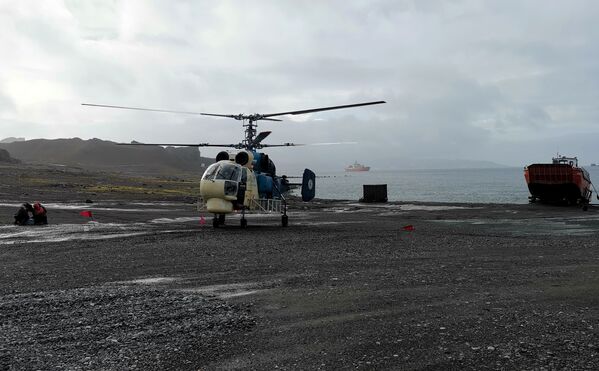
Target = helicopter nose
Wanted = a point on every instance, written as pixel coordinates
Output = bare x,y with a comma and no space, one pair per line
217,188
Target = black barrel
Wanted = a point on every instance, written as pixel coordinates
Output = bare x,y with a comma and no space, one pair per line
374,193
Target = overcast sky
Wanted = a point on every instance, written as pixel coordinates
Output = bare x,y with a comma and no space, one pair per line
505,81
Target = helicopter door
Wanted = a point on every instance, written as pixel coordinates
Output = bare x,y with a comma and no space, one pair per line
242,186
251,189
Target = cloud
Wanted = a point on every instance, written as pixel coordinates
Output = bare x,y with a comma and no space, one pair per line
463,79
6,104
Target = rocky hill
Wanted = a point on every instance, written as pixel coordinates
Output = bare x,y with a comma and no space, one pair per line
5,157
96,154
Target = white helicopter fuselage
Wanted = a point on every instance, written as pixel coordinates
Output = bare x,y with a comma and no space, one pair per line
226,186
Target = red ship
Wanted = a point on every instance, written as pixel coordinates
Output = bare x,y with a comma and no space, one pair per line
357,167
562,181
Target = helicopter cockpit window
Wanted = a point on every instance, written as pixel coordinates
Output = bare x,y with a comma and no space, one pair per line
229,172
223,172
211,172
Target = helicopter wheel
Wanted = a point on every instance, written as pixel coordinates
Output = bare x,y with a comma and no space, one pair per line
284,220
215,222
244,223
221,219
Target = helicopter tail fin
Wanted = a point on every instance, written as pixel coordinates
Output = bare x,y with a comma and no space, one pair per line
308,185
260,137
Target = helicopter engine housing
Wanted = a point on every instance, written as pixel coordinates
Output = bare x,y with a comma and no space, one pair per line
244,158
222,155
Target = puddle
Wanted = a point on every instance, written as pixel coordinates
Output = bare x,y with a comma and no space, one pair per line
177,220
222,291
373,206
12,234
239,293
92,207
231,290
151,281
353,209
299,222
360,207
412,207
94,230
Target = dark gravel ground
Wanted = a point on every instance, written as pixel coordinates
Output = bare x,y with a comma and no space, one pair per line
472,287
112,327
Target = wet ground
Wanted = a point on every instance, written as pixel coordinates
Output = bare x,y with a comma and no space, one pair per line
146,285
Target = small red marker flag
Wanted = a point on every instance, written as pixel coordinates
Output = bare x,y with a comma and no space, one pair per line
86,213
408,227
202,220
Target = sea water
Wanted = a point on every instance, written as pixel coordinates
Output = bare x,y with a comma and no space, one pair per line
500,185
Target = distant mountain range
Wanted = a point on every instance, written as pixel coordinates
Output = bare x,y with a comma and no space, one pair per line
12,139
96,154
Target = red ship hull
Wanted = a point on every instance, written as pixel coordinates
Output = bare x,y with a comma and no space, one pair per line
558,183
364,168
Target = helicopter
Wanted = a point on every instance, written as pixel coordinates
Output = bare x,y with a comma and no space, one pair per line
246,180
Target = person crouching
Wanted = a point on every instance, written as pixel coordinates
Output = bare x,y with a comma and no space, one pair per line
22,216
39,214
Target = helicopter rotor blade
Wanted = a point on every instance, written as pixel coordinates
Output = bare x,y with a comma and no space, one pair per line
301,112
306,144
236,117
282,145
303,144
141,109
180,145
239,116
267,119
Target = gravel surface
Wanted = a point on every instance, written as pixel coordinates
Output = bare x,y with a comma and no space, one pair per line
147,286
111,327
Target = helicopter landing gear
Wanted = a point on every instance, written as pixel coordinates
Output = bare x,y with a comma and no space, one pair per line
284,220
219,219
585,206
244,222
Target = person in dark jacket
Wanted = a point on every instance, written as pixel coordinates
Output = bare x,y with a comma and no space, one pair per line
39,214
22,216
